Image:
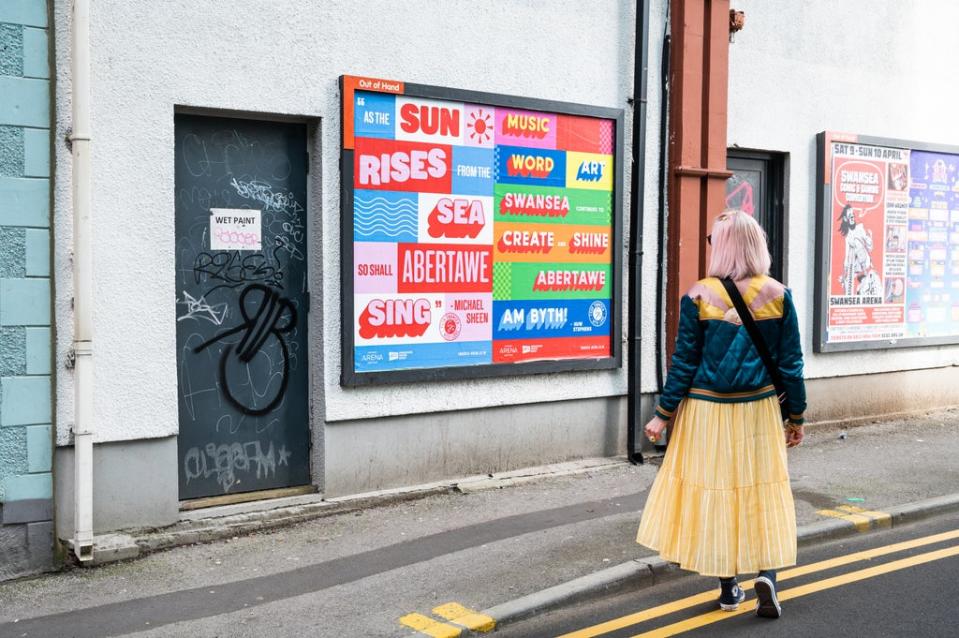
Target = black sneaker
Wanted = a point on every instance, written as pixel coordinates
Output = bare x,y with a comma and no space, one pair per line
767,605
730,597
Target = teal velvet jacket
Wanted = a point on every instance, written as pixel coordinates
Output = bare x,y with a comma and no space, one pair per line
715,359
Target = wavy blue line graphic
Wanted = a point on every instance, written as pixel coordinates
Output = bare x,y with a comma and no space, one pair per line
380,228
379,221
384,211
386,221
385,216
384,208
382,200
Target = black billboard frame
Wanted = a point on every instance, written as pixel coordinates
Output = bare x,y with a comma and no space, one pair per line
824,245
349,377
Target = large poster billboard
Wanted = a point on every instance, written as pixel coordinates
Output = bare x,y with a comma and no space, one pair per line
888,243
479,234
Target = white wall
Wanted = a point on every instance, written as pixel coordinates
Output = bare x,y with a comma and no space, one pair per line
284,57
650,322
875,67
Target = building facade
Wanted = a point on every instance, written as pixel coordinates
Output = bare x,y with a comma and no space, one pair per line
198,113
148,120
878,79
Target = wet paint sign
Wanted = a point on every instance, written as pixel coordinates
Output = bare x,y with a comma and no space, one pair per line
483,235
235,229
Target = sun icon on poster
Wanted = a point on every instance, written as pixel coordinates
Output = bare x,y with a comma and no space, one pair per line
479,128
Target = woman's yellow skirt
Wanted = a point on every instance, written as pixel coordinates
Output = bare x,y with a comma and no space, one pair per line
721,504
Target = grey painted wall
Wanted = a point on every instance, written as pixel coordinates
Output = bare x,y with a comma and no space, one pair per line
406,450
134,485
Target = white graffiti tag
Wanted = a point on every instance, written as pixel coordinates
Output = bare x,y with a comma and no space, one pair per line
225,460
200,309
263,192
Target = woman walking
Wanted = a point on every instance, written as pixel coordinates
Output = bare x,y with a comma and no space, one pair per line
721,504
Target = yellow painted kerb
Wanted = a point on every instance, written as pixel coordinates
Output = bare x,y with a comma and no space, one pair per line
882,519
430,627
475,621
863,519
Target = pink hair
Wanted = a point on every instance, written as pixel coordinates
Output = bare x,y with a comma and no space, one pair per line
739,247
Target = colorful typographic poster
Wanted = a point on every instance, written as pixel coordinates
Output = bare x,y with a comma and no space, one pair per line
893,233
482,235
932,245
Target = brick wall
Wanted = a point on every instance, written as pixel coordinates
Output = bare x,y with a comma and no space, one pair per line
26,491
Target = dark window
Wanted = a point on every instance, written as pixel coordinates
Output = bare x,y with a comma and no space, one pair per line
756,187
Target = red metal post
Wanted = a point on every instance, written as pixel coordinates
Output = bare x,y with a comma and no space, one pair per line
697,142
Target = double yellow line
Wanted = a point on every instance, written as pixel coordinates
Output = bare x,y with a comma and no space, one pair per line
803,590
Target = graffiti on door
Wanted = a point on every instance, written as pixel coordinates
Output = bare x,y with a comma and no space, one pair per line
272,316
242,292
739,194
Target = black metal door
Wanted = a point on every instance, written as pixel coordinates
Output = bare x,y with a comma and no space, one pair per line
756,187
241,285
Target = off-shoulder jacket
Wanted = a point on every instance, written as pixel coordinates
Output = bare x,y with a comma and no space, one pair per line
715,359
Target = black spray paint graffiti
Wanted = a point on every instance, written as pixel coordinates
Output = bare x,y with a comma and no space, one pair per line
234,270
225,460
273,317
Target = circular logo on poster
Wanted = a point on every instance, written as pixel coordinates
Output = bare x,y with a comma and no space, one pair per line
450,326
597,313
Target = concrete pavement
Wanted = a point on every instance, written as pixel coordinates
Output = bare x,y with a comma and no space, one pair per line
357,573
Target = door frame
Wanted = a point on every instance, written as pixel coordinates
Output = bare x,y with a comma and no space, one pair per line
316,340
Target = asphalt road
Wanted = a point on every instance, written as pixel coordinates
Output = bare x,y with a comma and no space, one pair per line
907,586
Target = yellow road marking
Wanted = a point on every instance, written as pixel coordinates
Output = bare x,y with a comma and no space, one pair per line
803,590
461,615
430,627
795,572
862,522
882,519
863,519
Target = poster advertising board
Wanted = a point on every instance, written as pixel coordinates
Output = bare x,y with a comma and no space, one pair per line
888,243
479,234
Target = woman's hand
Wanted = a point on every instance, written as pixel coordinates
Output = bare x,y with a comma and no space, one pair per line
794,435
654,428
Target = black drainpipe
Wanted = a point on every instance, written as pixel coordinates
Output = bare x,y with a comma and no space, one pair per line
636,187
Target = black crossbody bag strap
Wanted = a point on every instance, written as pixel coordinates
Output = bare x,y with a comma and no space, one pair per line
750,324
